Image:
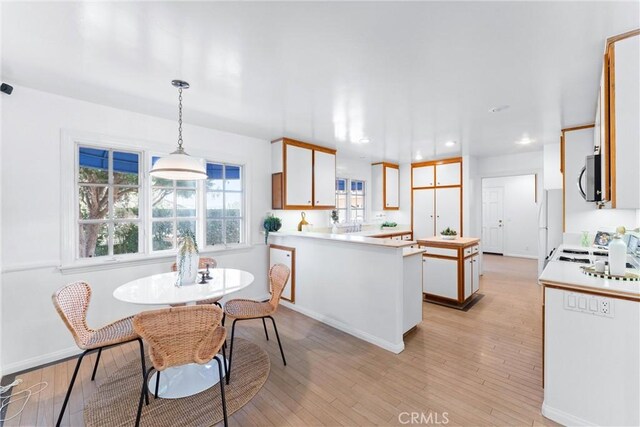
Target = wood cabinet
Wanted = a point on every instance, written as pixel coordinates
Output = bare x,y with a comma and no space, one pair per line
385,186
451,273
287,256
436,197
303,175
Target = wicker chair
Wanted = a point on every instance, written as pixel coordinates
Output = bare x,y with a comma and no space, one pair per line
203,263
244,309
179,336
72,303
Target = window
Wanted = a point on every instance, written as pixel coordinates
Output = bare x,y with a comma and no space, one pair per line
112,208
224,204
108,190
173,209
350,195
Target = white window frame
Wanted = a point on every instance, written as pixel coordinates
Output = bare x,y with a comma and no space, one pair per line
243,213
349,195
69,141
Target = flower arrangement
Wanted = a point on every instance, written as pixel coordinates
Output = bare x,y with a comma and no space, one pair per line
334,216
187,257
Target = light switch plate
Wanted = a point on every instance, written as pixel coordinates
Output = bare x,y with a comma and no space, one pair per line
589,304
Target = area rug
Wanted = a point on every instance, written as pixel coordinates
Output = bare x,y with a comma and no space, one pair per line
115,402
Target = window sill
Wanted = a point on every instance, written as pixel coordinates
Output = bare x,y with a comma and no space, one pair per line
111,263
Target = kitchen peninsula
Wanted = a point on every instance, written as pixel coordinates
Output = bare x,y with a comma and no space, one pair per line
365,286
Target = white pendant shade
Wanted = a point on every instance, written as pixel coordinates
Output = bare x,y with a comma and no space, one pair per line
180,166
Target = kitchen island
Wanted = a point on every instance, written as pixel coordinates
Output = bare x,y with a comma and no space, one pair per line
451,273
591,346
368,287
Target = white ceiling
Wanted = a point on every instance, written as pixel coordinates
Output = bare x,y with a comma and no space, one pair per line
408,76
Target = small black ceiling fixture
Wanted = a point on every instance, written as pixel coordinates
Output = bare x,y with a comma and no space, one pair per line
5,88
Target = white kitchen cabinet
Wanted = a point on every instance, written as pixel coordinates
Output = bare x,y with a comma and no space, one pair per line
448,213
448,173
423,213
385,186
440,277
299,170
303,175
284,255
423,176
324,178
471,275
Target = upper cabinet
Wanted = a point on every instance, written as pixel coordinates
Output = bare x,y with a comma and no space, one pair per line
448,173
423,176
617,122
385,186
303,175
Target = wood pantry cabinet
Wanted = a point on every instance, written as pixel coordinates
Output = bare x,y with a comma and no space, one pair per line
385,186
287,256
303,175
436,197
451,273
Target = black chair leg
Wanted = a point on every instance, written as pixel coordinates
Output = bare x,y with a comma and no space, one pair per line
224,401
95,368
233,332
224,357
157,384
278,336
143,392
73,380
218,304
264,324
144,367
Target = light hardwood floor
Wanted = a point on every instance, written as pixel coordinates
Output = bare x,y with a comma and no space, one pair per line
480,367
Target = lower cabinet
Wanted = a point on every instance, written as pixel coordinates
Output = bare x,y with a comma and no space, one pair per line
450,275
287,256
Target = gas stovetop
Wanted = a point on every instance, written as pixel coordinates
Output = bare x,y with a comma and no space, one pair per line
572,259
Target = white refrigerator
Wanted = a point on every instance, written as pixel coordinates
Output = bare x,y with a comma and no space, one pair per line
549,225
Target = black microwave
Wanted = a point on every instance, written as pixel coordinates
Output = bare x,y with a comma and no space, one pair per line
592,173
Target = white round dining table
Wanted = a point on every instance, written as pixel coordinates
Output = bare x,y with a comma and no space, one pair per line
161,289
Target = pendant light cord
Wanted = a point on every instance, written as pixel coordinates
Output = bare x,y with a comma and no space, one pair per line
180,118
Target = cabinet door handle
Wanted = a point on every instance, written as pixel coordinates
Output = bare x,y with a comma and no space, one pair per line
288,255
308,201
317,201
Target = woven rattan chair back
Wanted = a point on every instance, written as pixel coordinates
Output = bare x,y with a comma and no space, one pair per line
204,261
278,277
179,335
71,303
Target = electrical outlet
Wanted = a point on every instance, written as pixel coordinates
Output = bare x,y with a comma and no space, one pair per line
604,306
588,304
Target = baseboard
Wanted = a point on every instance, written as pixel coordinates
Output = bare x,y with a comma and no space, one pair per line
365,336
33,362
562,417
521,256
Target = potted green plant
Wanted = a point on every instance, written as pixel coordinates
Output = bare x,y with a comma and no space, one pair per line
188,258
388,224
449,234
271,223
334,220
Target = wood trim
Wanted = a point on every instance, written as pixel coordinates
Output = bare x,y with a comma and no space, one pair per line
563,158
623,36
386,165
293,270
277,191
544,293
605,139
591,291
297,143
437,162
438,298
452,258
611,91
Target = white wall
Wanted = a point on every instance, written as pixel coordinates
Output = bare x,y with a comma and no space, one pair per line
552,174
31,216
520,214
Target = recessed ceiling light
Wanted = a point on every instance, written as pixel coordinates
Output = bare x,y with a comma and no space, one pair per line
525,141
498,109
418,156
450,143
364,141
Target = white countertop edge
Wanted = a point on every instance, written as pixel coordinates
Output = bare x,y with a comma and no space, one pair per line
412,251
348,238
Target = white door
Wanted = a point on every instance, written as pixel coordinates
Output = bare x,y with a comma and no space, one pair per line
299,176
448,174
283,256
423,176
440,277
391,187
492,220
423,213
324,182
448,209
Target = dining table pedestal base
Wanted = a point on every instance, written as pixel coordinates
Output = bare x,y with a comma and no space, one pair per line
186,380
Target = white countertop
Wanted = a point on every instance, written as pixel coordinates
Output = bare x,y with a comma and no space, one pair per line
569,275
382,232
412,251
347,237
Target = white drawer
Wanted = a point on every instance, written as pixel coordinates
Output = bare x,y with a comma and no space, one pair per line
441,251
470,250
406,237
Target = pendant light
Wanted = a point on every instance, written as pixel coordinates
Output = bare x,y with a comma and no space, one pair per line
179,165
